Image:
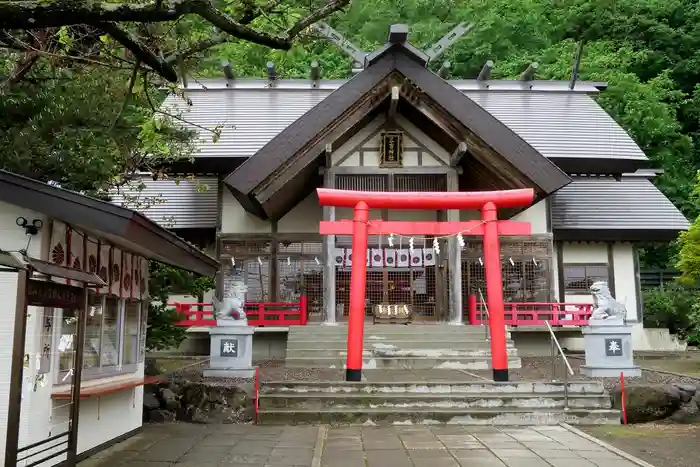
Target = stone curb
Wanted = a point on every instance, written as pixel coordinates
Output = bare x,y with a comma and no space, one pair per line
318,447
651,370
607,446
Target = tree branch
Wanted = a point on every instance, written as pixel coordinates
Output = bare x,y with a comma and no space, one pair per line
140,50
35,14
129,91
250,15
316,16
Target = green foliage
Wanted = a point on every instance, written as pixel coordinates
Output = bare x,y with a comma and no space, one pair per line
675,307
162,282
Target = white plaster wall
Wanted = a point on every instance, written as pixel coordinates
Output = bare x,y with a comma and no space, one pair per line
105,418
235,219
536,215
303,218
369,140
625,285
623,268
100,420
12,238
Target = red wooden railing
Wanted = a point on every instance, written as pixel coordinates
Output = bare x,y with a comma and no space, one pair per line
258,313
535,314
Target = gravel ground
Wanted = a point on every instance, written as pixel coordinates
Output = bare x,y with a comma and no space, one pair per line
662,445
536,368
533,369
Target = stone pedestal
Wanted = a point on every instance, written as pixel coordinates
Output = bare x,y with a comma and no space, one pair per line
231,354
608,346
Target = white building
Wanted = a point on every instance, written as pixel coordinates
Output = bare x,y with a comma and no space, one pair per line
62,233
281,139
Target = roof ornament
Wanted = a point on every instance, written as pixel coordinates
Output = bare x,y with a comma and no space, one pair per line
441,46
398,34
485,71
353,51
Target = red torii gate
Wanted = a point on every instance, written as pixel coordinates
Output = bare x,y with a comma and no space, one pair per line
489,226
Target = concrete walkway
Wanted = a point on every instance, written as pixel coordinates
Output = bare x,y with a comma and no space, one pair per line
182,445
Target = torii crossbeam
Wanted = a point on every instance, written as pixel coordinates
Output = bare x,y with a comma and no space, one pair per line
489,226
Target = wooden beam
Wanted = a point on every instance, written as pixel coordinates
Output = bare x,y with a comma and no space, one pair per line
378,227
394,105
458,154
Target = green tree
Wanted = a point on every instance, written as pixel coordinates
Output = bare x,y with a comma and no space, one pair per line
163,280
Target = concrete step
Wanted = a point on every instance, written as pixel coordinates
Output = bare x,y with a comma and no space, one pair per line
456,363
406,401
394,352
464,386
407,344
452,416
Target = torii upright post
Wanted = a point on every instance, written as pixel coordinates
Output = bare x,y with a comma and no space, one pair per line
489,226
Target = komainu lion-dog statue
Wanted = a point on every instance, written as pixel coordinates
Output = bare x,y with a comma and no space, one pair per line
605,305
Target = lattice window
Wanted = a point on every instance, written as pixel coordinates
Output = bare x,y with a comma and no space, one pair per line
526,269
362,182
407,283
578,278
421,183
246,247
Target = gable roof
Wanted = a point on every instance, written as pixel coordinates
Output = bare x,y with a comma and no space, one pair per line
313,130
566,126
126,228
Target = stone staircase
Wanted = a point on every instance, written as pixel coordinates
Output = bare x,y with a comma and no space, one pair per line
454,402
421,373
390,346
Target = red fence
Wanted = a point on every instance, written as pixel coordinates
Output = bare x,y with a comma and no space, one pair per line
535,314
259,314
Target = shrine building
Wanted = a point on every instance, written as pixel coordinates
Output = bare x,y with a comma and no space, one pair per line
396,126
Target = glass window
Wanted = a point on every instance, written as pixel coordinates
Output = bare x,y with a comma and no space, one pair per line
65,343
578,278
110,333
93,332
132,318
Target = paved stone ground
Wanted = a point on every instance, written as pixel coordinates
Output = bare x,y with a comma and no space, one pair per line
182,445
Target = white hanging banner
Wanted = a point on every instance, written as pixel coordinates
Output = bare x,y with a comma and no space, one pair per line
58,253
143,282
377,257
339,256
416,258
428,257
104,267
136,278
92,255
390,257
402,258
115,276
127,277
348,258
77,250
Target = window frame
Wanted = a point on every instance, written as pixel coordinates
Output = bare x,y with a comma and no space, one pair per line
586,277
102,371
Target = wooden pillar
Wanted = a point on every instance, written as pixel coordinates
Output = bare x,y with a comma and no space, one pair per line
454,255
328,258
